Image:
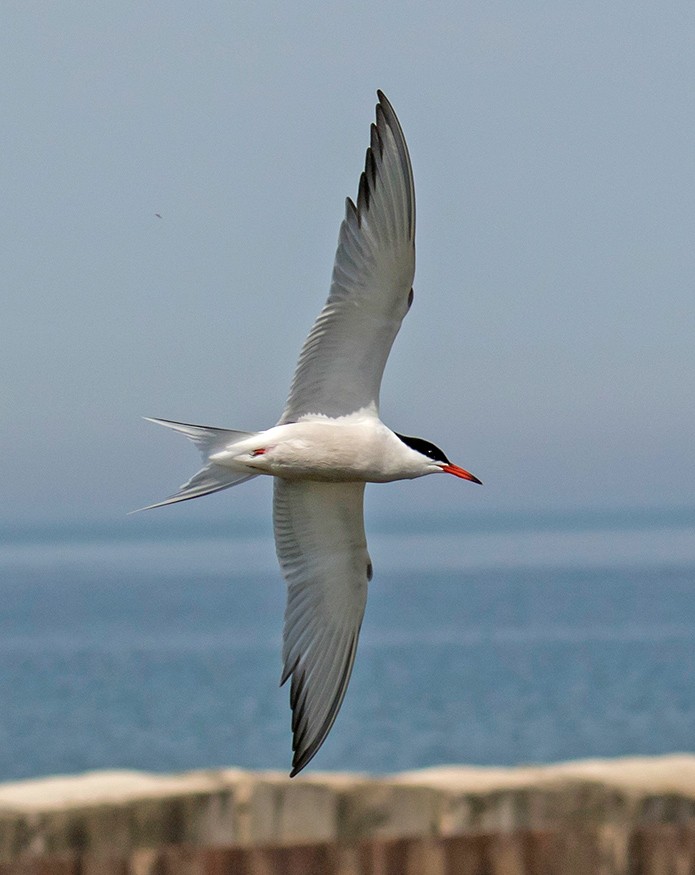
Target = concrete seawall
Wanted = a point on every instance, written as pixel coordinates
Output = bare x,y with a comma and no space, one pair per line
614,817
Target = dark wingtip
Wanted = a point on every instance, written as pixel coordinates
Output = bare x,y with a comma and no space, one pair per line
385,105
305,751
386,116
298,763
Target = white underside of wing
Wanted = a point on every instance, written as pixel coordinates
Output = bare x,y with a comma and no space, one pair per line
321,546
342,361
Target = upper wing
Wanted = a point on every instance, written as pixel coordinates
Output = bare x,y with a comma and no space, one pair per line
320,542
343,358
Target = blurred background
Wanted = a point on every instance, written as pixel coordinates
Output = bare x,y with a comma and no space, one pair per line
173,179
551,347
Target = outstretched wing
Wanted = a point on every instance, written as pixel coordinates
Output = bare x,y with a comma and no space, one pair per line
321,546
343,358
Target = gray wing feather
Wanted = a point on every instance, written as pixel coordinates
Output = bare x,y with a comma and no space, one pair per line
342,361
321,546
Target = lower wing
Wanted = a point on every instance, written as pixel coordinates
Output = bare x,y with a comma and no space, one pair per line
322,549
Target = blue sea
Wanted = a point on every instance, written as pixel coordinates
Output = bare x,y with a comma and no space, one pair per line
510,638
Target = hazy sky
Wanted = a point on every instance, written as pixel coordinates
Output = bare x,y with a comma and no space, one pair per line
551,347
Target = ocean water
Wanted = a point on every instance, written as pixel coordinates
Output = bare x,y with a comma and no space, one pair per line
508,639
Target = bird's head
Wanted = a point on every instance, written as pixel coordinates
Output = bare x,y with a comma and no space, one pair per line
436,458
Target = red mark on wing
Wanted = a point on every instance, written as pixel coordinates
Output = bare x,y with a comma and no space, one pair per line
258,452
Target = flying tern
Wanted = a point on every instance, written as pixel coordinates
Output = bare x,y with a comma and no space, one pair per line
330,441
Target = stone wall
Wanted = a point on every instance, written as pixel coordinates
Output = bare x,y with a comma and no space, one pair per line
612,817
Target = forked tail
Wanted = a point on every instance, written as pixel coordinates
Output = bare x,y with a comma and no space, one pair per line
211,477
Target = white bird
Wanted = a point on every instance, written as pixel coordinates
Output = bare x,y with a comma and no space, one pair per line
330,441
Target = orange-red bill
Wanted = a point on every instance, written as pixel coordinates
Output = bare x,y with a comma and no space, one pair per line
462,473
